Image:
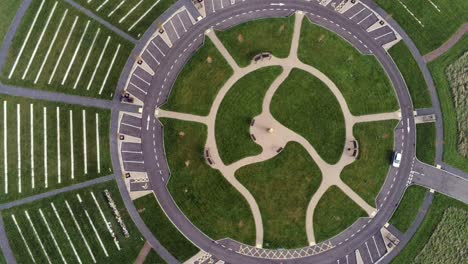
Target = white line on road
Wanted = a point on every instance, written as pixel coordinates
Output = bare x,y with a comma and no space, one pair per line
109,69
85,147
70,65
5,147
98,63
115,9
93,227
87,58
98,147
59,154
22,238
45,146
18,143
52,235
80,231
142,16
31,133
66,232
72,155
37,235
130,11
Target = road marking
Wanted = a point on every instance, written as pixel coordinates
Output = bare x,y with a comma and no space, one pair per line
59,156
375,243
92,226
31,133
109,69
141,79
63,50
44,112
102,5
38,43
72,156
18,142
70,65
142,16
26,40
52,235
98,63
368,251
22,238
79,230
37,235
5,146
407,124
85,146
175,30
66,232
87,57
106,223
130,11
160,49
50,47
434,5
147,123
98,151
115,9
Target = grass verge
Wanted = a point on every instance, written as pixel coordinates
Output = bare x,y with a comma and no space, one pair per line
408,209
8,9
201,192
242,103
283,187
153,258
426,142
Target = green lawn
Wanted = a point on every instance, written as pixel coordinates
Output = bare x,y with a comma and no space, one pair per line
163,229
2,258
153,258
409,207
360,78
96,77
438,26
242,103
201,192
199,82
86,214
412,75
283,187
266,35
8,9
306,105
426,142
367,174
437,68
334,213
62,149
429,226
131,17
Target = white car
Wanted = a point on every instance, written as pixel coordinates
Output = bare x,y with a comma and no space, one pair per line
396,159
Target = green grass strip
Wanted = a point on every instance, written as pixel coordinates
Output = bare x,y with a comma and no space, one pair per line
153,258
426,142
8,9
409,207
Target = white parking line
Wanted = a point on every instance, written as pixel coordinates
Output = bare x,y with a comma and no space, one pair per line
72,155
66,232
115,9
102,5
52,235
98,147
31,133
411,13
18,143
106,223
93,227
44,111
54,38
142,16
79,230
85,147
22,238
87,58
98,63
175,30
5,147
59,154
38,43
109,69
63,50
70,65
25,41
130,11
37,235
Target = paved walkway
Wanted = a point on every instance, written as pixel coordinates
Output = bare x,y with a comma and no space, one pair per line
145,250
447,45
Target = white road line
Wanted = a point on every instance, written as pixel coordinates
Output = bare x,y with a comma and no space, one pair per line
368,251
37,236
98,147
142,16
54,38
175,30
66,232
26,40
52,235
5,147
85,146
38,43
158,49
31,133
59,154
107,223
72,155
63,50
93,227
109,69
182,23
22,238
45,146
130,11
375,243
87,58
115,9
98,63
79,230
18,143
70,65
102,5
152,56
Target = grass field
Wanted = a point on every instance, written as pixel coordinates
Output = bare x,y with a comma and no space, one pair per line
2,258
428,227
434,27
304,104
153,258
283,187
360,78
133,17
409,208
201,192
438,68
199,82
50,145
266,35
8,9
426,142
449,243
367,174
242,103
74,226
58,48
334,213
163,229
412,75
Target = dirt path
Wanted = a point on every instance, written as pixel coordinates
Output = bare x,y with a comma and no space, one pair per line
447,45
145,250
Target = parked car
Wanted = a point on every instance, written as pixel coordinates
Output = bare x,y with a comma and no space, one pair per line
396,159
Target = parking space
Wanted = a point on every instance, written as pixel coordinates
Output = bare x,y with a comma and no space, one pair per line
177,26
130,125
348,259
211,6
368,21
373,249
